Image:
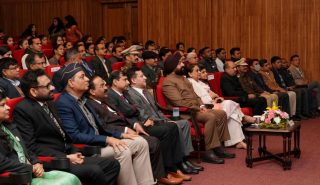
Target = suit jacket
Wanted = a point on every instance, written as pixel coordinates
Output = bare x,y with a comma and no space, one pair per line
147,107
259,81
97,66
297,75
9,89
9,160
151,74
110,121
179,92
270,81
77,125
287,77
279,78
249,85
230,86
38,130
125,106
210,65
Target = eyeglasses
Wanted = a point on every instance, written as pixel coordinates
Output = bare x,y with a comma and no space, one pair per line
13,68
45,86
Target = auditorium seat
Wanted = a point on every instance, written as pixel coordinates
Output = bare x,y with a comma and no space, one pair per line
88,58
17,54
62,61
22,71
117,66
51,69
139,65
48,52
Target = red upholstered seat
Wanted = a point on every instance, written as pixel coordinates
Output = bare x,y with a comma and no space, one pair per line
15,178
22,71
88,58
12,104
139,65
117,66
48,52
62,61
17,54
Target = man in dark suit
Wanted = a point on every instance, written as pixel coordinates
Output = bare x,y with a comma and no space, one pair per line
113,120
302,107
99,64
150,68
168,134
207,60
148,109
9,78
40,127
230,86
83,125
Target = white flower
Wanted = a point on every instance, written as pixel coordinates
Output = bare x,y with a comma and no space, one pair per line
262,118
277,120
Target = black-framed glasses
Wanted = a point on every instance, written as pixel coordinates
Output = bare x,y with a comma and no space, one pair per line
44,86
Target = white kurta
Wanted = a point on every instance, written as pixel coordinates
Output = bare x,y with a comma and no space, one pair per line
233,110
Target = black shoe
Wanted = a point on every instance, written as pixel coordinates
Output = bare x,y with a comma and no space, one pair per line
199,168
220,152
186,169
210,157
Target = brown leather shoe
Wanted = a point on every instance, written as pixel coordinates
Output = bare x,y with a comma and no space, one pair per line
181,175
170,180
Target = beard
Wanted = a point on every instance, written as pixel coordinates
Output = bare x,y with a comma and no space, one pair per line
181,71
44,98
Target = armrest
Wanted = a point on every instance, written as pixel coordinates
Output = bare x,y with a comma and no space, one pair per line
55,163
87,150
15,178
235,98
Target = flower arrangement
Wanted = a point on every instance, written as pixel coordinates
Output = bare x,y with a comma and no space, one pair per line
274,118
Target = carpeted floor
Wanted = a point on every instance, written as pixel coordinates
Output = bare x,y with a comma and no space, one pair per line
304,171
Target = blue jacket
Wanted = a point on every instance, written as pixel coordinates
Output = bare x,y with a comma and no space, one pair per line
77,125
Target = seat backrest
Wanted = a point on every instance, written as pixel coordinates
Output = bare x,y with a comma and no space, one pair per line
12,104
56,96
51,69
48,52
159,95
214,81
117,66
88,58
139,65
22,71
62,61
17,54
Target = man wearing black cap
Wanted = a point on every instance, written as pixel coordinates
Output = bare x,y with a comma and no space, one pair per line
150,68
83,125
41,129
179,92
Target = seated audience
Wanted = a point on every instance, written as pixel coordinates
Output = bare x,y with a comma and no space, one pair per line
234,114
73,34
164,53
302,107
116,55
113,120
89,49
5,52
179,92
301,80
231,86
83,125
151,46
189,50
9,78
14,157
221,58
150,67
41,129
109,47
8,40
168,134
235,54
57,40
87,39
22,43
58,53
56,28
35,46
130,56
35,61
30,31
192,58
99,64
207,60
270,81
180,47
147,107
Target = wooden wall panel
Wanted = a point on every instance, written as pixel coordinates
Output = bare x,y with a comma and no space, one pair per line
17,14
261,28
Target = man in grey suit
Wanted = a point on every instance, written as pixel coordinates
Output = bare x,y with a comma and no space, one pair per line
148,109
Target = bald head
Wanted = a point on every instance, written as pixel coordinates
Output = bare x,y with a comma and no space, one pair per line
192,58
230,68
